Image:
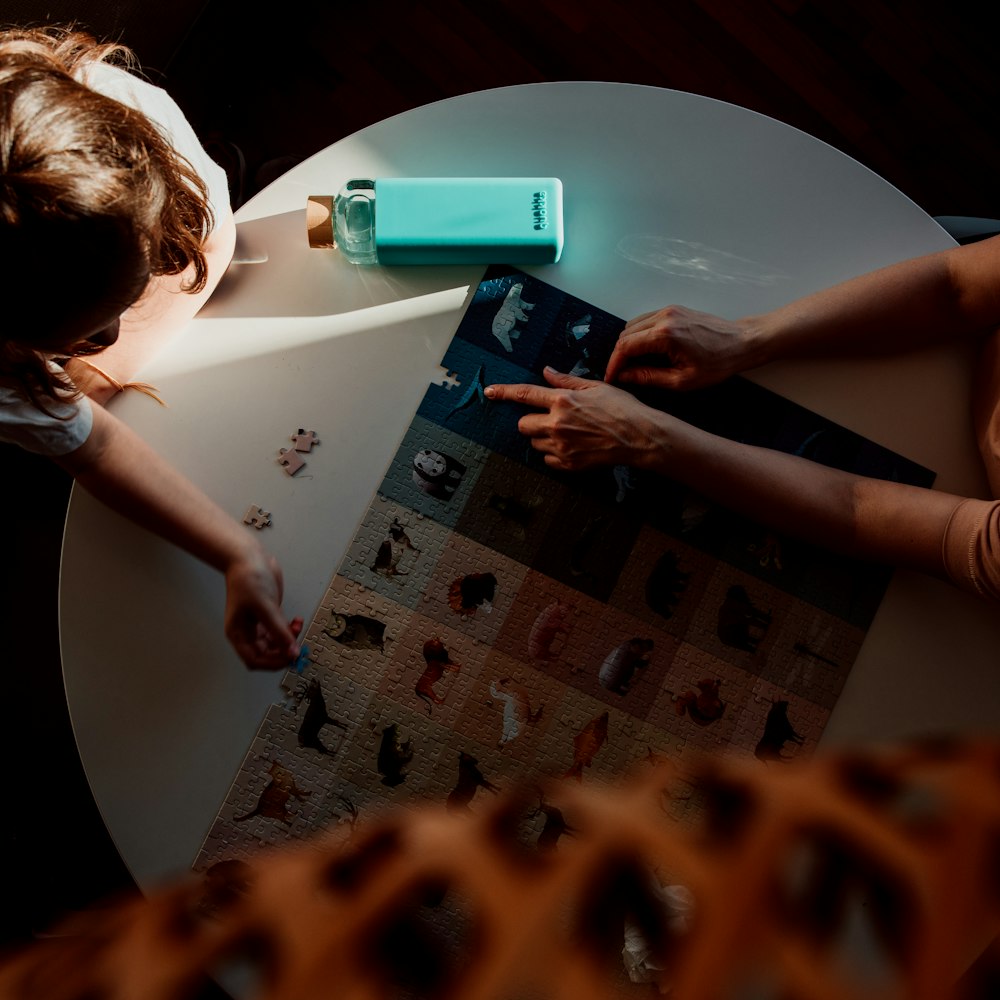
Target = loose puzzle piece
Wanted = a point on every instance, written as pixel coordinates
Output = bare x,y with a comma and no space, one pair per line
304,440
257,517
289,460
495,623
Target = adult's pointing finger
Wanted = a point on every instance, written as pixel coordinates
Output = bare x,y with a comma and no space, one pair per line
530,395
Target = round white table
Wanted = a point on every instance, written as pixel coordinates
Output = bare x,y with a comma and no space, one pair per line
670,197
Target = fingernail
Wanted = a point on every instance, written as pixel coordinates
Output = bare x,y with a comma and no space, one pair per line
490,390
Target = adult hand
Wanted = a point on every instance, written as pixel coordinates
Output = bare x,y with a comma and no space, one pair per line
585,423
254,623
679,348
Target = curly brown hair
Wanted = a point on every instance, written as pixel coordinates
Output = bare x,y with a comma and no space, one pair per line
93,203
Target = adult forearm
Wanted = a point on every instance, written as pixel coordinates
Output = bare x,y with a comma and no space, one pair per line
941,296
880,521
584,424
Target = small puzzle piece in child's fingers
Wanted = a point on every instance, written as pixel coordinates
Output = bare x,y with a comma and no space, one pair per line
257,517
289,460
304,440
301,661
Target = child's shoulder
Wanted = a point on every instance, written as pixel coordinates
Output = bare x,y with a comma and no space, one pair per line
61,427
127,88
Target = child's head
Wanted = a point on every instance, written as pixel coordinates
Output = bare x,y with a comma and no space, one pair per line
93,203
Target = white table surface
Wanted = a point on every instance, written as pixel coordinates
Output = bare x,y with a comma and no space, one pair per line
670,197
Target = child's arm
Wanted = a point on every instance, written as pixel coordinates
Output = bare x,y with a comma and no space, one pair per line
122,471
164,309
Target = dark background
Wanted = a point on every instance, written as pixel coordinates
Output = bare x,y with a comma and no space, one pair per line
909,89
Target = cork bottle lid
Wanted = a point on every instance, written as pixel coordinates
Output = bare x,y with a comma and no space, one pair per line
319,220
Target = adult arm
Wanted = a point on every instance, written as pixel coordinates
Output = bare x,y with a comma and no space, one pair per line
946,295
122,471
585,423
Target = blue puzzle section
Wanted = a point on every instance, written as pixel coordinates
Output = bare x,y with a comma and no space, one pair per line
501,312
520,318
464,410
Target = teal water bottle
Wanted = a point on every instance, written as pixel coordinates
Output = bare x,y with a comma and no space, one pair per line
441,220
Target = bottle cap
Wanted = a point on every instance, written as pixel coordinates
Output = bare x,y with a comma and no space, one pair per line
319,220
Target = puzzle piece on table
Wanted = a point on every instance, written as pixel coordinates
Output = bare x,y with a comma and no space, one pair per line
304,440
445,378
289,460
257,517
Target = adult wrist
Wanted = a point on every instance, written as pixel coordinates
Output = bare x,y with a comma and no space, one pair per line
758,344
658,451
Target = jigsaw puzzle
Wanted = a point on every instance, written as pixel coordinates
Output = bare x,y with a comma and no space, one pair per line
304,440
258,517
495,622
288,459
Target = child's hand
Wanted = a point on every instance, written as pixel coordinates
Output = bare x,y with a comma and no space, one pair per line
254,623
120,469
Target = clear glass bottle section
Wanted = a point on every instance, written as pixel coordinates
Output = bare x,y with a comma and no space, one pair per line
354,221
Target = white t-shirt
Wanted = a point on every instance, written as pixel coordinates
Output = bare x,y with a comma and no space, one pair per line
157,105
21,422
63,429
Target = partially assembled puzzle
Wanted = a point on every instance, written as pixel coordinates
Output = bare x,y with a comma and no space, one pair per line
497,623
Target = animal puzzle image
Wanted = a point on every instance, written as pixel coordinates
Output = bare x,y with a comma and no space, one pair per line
497,625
